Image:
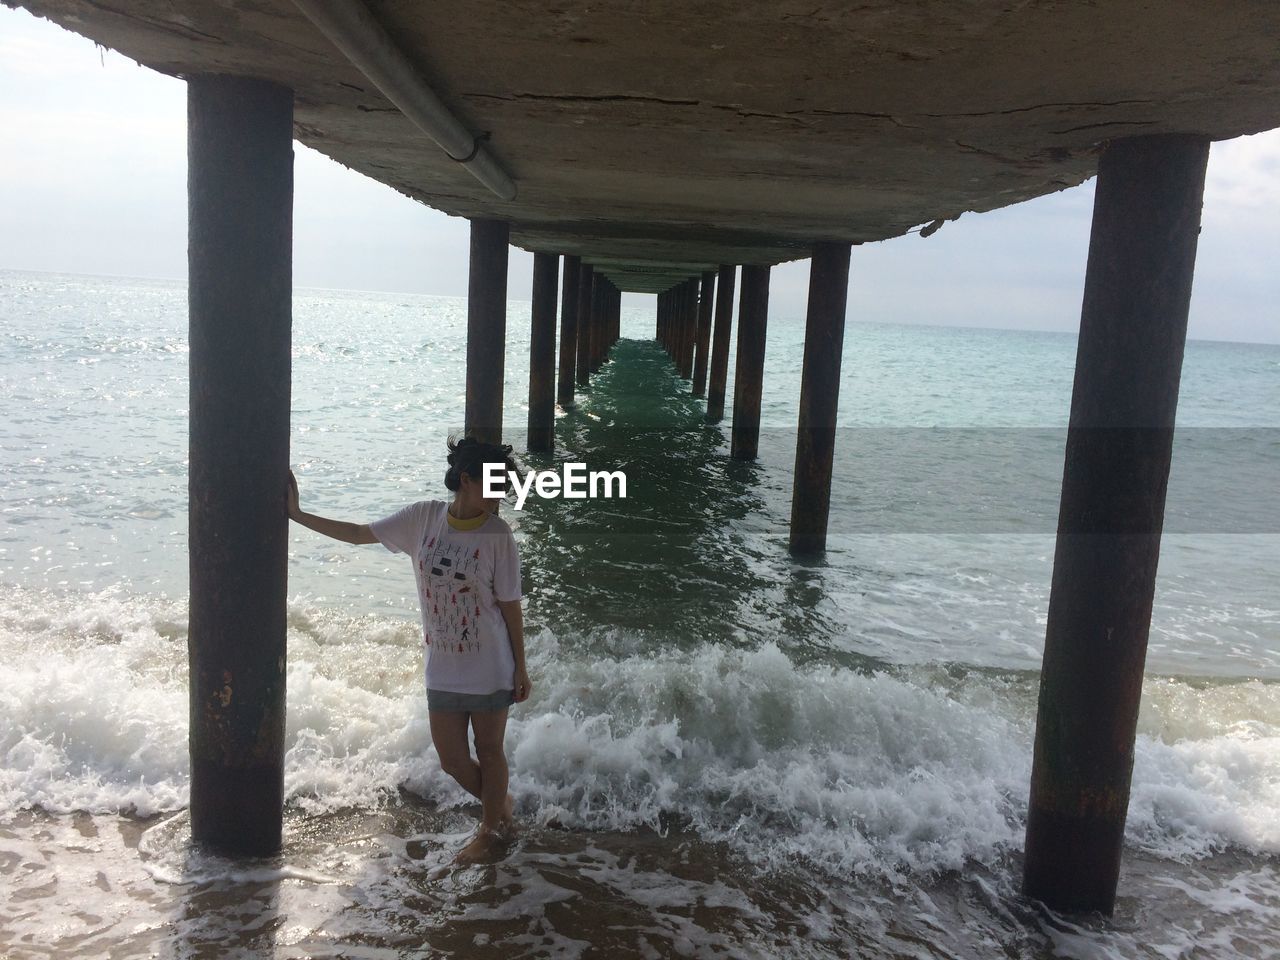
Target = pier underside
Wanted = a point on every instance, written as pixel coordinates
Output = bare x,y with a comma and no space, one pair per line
657,147
662,139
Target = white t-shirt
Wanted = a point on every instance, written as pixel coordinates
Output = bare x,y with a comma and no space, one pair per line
463,568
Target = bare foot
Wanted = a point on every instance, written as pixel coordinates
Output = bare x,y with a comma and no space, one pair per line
484,847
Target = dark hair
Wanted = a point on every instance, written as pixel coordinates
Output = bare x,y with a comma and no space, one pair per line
469,456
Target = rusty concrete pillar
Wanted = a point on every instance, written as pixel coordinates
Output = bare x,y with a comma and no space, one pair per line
606,340
680,308
670,321
688,319
703,337
688,325
819,397
719,372
597,321
1133,322
568,331
486,328
615,318
239,258
664,319
542,352
753,317
586,288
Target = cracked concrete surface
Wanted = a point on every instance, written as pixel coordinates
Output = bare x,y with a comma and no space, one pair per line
737,132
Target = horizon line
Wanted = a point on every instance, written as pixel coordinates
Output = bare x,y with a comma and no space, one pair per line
454,296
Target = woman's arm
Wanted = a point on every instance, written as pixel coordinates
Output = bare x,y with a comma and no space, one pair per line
338,529
513,614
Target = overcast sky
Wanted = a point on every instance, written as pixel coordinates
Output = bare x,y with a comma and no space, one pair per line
93,180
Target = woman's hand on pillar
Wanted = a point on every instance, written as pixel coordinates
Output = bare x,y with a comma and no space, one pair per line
291,498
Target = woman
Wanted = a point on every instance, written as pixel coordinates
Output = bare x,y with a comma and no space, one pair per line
467,569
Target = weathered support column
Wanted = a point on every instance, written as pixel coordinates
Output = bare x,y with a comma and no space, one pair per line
673,324
686,329
606,343
568,331
606,321
586,286
486,328
239,259
1146,218
617,317
688,324
748,378
703,337
542,352
719,372
819,397
597,321
664,315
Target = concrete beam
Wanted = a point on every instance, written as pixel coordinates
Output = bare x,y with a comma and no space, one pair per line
871,119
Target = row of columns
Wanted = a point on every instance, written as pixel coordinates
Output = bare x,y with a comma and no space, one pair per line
590,309
1132,333
687,314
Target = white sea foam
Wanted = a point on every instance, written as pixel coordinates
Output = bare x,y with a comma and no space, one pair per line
917,770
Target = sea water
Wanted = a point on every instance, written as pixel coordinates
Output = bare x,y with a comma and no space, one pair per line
727,752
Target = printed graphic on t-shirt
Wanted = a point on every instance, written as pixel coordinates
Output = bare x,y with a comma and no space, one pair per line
450,577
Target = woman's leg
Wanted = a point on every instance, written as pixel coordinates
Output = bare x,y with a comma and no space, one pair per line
449,734
490,728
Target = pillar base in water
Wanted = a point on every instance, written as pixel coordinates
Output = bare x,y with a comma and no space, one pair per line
229,821
1069,861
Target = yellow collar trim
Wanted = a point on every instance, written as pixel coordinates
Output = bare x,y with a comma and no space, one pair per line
474,523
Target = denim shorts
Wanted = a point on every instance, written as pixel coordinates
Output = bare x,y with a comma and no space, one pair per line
445,701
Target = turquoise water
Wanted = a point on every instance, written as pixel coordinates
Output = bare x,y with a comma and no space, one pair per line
868,716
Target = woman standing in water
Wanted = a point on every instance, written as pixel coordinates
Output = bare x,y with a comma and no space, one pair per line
467,569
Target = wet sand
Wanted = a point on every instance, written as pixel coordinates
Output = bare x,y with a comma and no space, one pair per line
381,884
